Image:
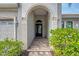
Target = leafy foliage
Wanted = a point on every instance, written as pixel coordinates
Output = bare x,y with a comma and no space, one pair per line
65,41
10,47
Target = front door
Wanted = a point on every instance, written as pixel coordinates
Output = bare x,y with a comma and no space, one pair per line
38,30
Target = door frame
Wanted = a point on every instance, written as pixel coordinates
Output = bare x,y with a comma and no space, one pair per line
36,34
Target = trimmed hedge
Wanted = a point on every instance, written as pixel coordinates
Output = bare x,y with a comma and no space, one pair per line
10,47
65,42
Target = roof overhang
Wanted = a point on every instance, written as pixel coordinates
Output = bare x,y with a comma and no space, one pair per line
70,15
8,6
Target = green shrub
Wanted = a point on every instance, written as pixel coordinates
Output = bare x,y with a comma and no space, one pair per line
65,41
10,47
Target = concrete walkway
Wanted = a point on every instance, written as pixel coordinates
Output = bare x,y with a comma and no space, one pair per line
39,47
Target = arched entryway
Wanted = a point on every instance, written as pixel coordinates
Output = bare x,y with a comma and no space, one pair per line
38,25
38,21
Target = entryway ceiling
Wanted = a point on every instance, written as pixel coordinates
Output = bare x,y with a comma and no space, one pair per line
40,12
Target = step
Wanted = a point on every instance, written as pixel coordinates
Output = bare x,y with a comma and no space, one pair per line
39,53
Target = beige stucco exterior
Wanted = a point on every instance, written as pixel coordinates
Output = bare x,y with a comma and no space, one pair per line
23,13
25,16
27,22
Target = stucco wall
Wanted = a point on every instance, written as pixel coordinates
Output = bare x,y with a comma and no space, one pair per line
28,27
26,7
8,14
59,15
20,23
25,28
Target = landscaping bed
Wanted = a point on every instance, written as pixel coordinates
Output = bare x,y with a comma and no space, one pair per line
10,47
65,42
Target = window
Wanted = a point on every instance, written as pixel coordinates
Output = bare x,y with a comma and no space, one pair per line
69,24
7,28
38,22
3,23
10,22
62,24
6,21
